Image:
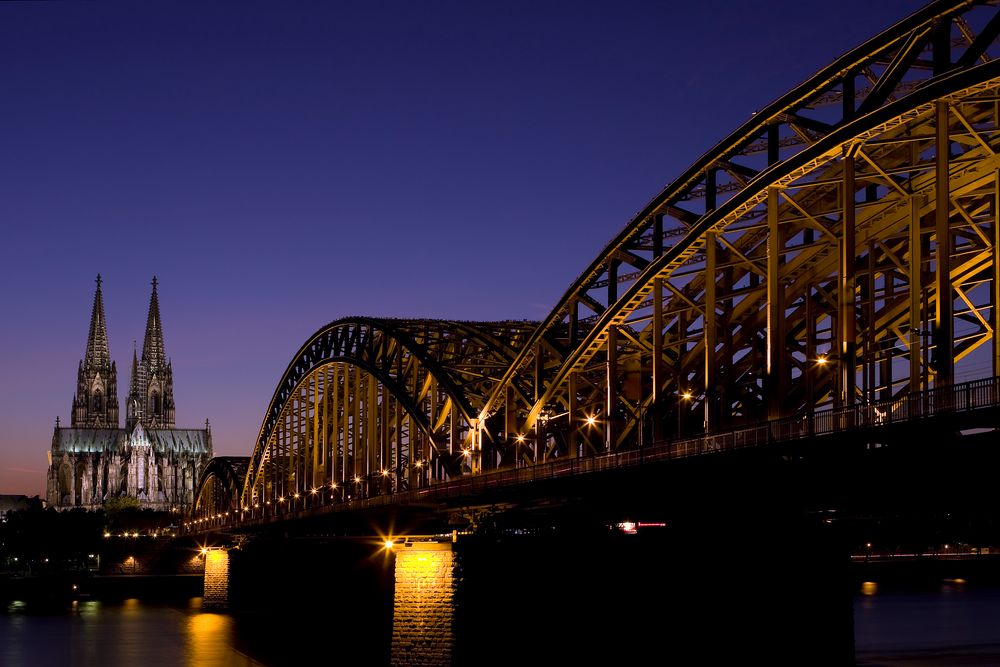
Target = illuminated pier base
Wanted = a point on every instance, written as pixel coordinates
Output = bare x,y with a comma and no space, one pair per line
216,594
426,580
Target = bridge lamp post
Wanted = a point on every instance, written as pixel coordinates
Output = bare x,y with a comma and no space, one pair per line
313,492
357,484
333,489
295,496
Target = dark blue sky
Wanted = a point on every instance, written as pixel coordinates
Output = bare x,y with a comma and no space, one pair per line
280,165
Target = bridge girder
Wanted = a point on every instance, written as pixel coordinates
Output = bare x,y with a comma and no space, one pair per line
798,265
757,254
383,404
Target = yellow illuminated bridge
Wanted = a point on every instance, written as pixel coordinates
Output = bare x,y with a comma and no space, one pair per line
830,265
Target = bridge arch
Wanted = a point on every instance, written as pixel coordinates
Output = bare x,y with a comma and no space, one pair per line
219,487
370,405
776,275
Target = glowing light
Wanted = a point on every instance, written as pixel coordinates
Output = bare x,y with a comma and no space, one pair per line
520,437
313,491
868,545
869,588
281,499
628,527
107,534
204,550
357,479
687,396
388,544
385,473
591,420
333,485
821,359
295,495
420,464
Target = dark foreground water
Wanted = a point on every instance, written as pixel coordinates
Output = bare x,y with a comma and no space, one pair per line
951,625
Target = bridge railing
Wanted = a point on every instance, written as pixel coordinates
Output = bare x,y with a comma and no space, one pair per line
956,399
966,397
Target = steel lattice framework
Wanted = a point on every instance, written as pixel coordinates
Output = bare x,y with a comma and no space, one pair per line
376,405
840,247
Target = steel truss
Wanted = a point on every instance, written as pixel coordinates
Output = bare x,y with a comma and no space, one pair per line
798,263
840,248
373,406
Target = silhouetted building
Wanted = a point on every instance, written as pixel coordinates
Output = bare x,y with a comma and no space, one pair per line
15,503
151,460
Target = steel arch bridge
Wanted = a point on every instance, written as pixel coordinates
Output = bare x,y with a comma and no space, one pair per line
839,248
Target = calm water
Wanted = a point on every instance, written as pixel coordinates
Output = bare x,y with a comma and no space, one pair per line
121,633
951,625
956,624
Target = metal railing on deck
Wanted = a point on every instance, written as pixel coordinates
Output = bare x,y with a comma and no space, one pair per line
955,399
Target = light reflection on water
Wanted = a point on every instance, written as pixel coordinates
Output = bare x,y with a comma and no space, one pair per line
129,633
954,624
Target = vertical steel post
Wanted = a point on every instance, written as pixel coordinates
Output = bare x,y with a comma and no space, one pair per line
711,335
774,362
846,294
944,356
994,316
658,374
916,276
612,396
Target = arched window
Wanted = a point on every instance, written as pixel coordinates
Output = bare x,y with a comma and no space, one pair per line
98,401
155,402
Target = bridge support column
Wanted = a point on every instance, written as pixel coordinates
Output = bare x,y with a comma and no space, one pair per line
424,604
846,298
216,595
775,381
944,353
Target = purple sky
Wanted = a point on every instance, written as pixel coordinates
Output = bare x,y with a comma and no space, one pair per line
281,165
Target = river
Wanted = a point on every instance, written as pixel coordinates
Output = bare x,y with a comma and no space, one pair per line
950,625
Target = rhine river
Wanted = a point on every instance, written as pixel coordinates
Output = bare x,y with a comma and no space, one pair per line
954,624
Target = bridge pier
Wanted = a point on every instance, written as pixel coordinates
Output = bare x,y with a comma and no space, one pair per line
216,592
426,581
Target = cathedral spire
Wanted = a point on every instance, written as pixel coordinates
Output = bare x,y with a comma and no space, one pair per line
151,390
152,347
95,404
97,355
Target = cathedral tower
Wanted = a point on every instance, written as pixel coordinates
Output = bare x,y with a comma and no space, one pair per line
151,388
95,404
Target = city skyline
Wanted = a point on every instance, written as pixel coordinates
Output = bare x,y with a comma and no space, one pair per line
280,168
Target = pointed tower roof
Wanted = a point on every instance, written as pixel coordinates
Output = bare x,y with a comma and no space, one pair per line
152,346
134,377
97,355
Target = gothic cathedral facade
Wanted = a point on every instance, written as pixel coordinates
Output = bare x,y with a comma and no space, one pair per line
152,460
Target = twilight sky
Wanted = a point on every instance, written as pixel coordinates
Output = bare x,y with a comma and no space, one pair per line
280,165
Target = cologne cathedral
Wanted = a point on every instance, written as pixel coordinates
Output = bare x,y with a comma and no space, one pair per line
150,459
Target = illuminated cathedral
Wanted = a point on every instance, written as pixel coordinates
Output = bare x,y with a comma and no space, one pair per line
94,459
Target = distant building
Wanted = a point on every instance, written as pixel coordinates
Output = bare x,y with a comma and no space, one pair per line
150,459
14,503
